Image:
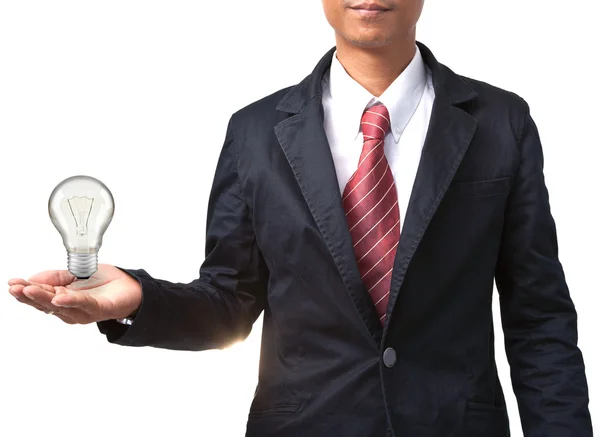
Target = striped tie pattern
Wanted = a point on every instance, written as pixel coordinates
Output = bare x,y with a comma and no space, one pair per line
370,201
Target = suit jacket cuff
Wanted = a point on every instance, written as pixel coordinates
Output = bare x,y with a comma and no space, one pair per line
145,319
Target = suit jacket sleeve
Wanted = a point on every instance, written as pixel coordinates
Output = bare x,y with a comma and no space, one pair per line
538,316
220,306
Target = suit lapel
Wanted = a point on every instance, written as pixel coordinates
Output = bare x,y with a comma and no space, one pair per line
449,134
304,142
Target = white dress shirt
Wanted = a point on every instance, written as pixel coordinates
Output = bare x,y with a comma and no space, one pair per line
409,100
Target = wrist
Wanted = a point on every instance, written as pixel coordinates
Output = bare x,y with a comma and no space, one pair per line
127,314
133,300
128,320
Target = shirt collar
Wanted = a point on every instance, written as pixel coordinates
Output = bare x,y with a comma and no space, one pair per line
401,98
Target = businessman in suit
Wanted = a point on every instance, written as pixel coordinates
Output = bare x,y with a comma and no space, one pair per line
367,211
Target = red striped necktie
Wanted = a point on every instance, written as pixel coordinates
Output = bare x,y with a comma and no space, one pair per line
371,204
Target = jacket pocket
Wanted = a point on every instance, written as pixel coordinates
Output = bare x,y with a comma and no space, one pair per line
478,189
486,420
280,409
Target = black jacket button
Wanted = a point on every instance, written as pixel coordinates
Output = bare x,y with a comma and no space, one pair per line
389,357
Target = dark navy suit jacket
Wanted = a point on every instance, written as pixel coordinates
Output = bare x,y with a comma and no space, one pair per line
277,242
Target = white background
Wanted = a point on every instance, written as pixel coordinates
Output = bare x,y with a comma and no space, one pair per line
138,94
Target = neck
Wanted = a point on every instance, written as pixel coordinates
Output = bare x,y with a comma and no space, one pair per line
375,68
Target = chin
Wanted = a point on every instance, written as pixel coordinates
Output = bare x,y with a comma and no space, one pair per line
369,43
369,40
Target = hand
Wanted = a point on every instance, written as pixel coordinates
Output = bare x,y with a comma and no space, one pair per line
108,294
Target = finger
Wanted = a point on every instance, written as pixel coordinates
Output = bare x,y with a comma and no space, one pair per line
78,311
70,316
36,306
66,319
74,316
72,299
33,304
38,294
17,292
53,277
18,281
45,287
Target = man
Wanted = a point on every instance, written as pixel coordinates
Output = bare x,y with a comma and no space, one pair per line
367,211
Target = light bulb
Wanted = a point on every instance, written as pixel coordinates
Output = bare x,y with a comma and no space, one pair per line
81,208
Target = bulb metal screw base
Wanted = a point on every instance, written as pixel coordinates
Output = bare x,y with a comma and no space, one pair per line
82,265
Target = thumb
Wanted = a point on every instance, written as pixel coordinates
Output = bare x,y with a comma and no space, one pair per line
53,277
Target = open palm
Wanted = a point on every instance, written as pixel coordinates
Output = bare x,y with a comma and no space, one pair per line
109,293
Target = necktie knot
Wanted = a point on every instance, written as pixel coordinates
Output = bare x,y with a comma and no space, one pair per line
375,122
